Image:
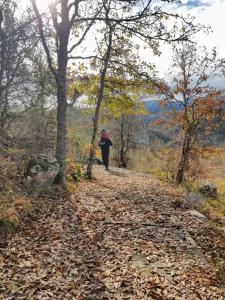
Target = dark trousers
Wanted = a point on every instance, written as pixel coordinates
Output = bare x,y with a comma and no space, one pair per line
105,157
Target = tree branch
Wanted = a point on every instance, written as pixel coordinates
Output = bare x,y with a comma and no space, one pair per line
42,36
86,30
84,57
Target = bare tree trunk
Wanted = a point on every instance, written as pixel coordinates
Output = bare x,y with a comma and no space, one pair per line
122,162
61,133
99,102
2,69
182,166
62,107
63,31
4,113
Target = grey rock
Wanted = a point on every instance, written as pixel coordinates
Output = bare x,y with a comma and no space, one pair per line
35,170
41,171
197,214
208,190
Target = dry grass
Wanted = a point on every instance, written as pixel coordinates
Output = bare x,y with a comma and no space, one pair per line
11,211
13,202
215,166
152,162
161,162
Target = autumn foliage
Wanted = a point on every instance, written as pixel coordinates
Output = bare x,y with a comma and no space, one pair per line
190,102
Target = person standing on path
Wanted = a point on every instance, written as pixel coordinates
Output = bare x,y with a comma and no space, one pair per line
105,144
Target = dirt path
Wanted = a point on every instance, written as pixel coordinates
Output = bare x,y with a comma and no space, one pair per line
118,238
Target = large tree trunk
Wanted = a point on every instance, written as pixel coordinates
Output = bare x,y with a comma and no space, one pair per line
62,107
63,31
61,133
99,102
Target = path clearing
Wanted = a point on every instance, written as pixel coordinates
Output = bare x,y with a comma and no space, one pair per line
119,237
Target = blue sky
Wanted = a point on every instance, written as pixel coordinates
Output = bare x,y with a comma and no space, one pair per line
194,3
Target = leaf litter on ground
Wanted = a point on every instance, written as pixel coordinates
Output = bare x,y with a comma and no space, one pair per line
118,237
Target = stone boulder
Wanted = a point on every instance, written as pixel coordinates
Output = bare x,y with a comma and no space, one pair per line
208,190
42,171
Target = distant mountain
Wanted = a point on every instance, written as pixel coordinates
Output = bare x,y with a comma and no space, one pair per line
156,110
153,106
216,137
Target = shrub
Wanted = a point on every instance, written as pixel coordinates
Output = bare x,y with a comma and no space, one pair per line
74,171
12,209
13,204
